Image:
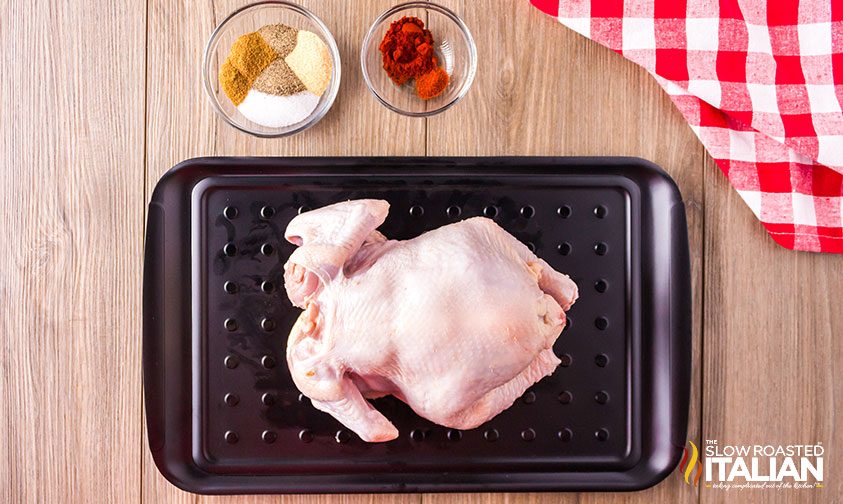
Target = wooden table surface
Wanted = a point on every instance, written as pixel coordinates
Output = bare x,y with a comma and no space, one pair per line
98,99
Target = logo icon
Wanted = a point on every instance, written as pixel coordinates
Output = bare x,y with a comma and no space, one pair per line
691,461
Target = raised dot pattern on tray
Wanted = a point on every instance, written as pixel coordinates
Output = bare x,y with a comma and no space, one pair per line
579,411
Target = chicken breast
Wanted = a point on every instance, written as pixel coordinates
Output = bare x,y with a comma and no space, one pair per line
457,322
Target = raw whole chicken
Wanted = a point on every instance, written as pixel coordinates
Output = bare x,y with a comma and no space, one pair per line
457,322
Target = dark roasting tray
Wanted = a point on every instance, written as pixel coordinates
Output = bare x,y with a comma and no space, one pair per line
224,416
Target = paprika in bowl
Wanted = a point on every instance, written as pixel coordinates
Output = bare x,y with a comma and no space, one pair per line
418,59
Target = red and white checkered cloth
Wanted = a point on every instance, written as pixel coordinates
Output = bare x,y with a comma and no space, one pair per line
760,82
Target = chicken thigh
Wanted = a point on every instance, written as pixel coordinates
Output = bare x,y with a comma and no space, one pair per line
457,322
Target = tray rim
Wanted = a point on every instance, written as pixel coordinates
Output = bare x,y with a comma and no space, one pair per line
203,189
186,177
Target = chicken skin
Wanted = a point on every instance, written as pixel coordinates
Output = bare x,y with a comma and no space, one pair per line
457,322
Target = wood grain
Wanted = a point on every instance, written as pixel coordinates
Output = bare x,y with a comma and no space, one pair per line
101,99
72,218
181,124
773,324
559,101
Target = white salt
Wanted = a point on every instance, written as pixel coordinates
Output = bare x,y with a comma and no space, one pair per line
275,111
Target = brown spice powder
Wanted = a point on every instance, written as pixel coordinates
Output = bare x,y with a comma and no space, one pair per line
278,79
280,37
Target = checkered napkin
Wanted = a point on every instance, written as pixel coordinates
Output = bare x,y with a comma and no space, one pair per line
760,84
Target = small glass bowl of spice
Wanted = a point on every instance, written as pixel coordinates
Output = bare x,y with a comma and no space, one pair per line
271,69
418,59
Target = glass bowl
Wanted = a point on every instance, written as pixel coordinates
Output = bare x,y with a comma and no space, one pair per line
249,19
455,51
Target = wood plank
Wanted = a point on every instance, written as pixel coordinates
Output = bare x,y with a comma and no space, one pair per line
70,298
182,124
542,89
72,96
773,324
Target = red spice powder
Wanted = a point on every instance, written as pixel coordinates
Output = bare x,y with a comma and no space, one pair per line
407,50
431,84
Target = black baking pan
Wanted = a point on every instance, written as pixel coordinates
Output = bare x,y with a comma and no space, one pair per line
224,416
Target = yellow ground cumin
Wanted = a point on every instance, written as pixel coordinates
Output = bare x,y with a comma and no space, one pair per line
235,85
249,56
